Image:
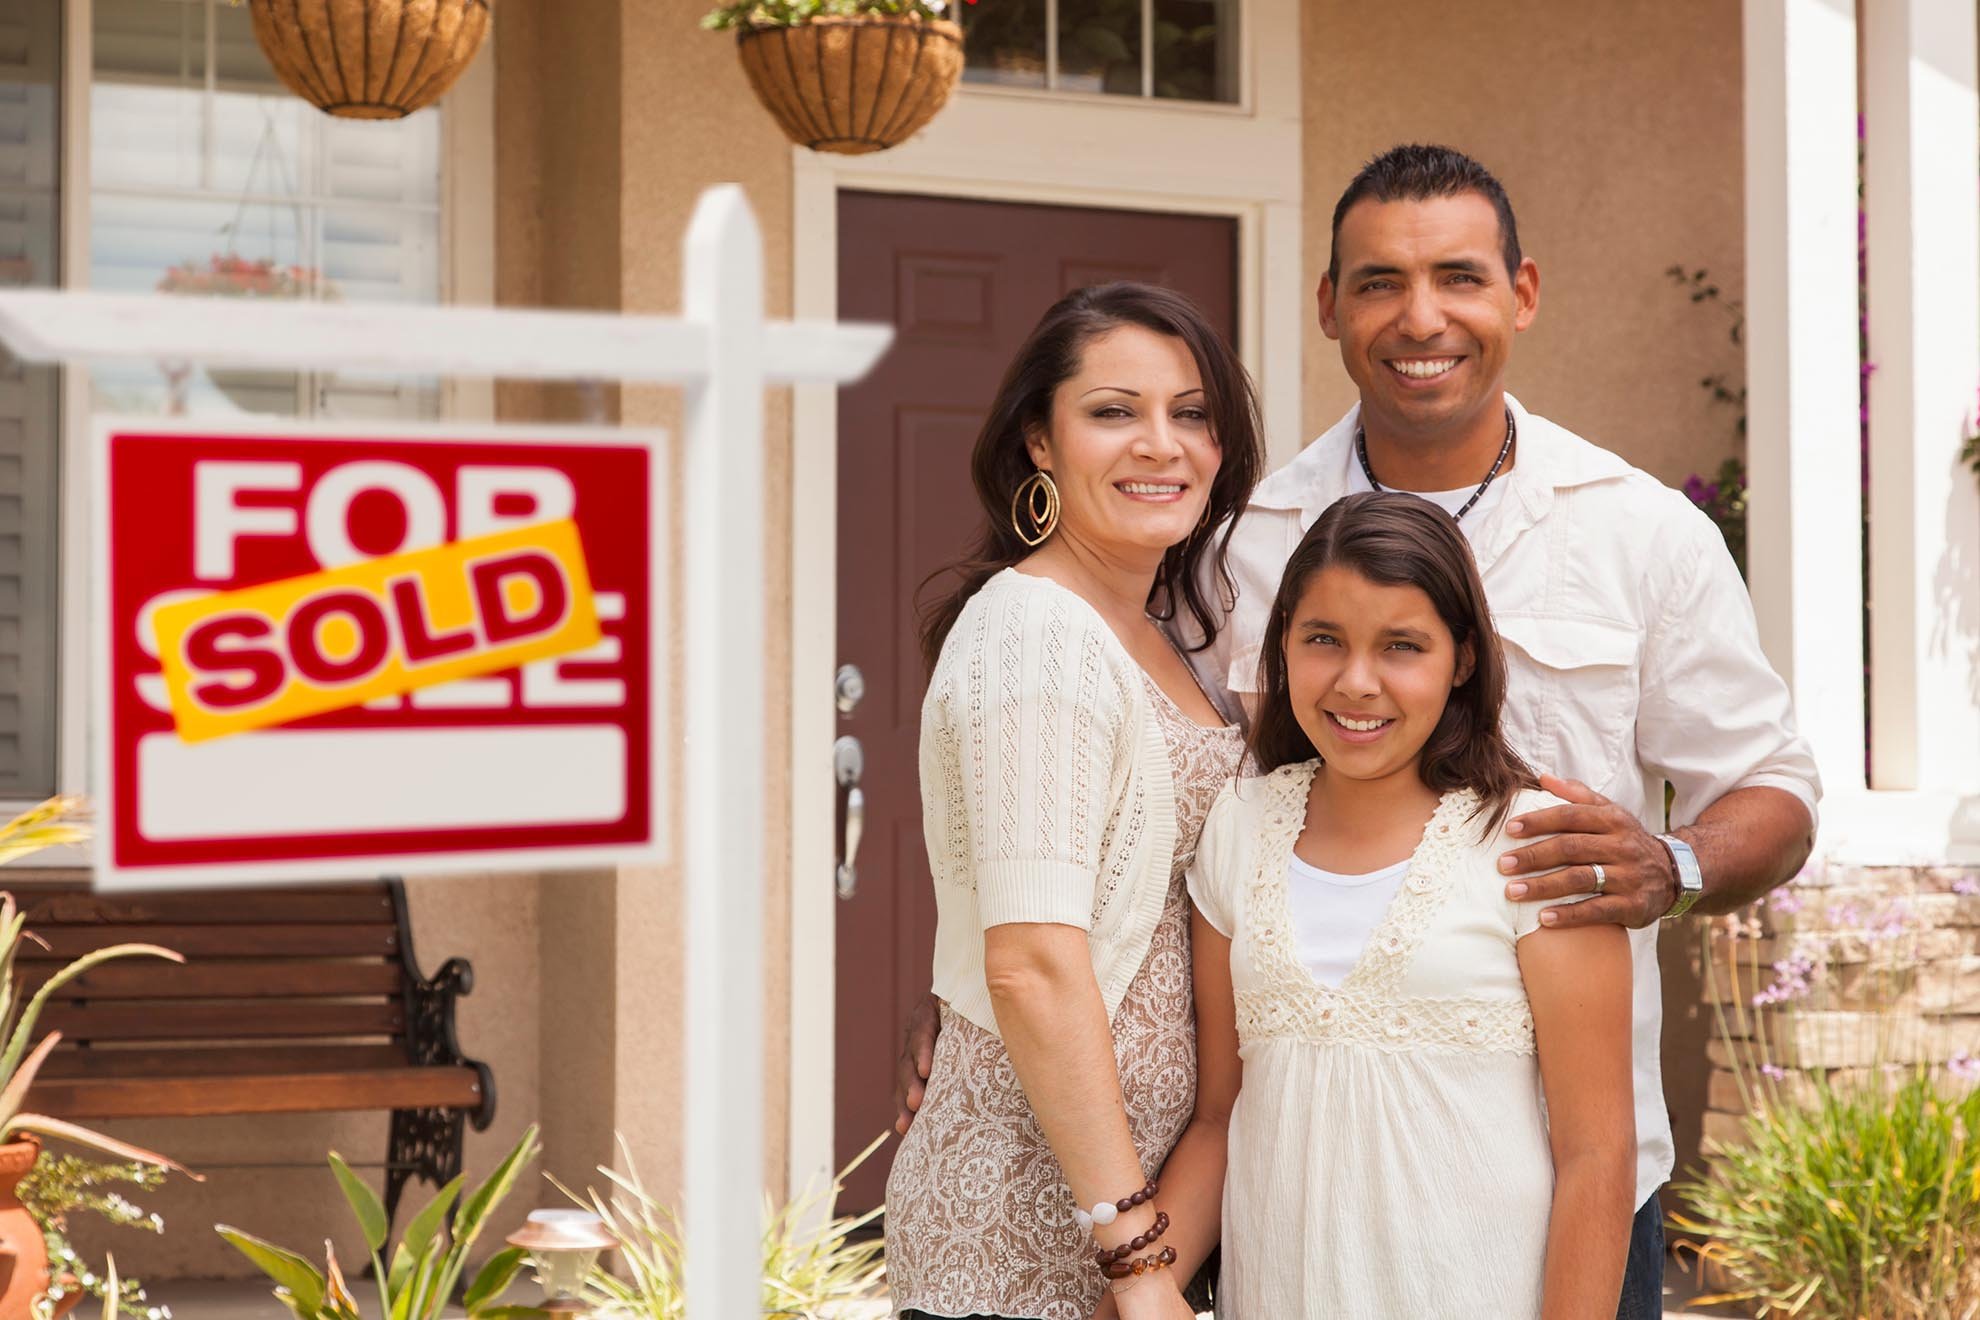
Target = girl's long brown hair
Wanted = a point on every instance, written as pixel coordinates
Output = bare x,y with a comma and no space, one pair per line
1402,540
1000,462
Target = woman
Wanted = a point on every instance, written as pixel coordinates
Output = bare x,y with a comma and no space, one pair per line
1068,756
1370,1005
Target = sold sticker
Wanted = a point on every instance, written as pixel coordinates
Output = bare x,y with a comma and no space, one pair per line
270,654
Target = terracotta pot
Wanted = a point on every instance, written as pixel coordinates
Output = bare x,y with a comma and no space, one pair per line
370,59
853,85
23,1253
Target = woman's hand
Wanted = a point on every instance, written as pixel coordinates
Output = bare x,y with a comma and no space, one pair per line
1156,1296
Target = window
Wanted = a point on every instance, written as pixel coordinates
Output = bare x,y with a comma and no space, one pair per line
30,174
209,176
206,175
1181,50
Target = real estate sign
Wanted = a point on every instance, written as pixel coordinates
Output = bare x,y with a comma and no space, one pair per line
326,652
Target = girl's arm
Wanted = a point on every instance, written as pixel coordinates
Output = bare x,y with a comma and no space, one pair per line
1054,1026
1578,982
1193,1178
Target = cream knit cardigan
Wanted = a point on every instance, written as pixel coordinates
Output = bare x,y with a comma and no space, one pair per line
1045,787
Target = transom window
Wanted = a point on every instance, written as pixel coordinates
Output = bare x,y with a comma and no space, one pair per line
1178,50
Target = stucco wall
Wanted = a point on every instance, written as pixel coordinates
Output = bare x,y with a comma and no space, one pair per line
615,115
1616,129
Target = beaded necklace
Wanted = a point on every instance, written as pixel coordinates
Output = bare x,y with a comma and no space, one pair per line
1361,452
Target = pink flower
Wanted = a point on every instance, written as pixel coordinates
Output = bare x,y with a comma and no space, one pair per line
1964,1066
1793,976
1786,902
1772,1072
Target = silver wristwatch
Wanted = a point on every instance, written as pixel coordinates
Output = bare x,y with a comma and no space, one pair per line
1691,881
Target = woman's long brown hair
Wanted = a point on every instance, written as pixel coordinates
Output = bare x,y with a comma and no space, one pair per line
1402,540
1000,462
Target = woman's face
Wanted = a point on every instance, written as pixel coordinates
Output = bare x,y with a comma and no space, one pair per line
1130,447
1369,668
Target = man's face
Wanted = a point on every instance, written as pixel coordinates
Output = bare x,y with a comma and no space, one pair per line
1425,311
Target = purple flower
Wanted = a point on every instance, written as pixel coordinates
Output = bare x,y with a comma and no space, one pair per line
1966,884
1773,1073
1792,978
1786,902
1964,1066
1700,491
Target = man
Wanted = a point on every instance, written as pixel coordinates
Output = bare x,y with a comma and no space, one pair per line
1632,655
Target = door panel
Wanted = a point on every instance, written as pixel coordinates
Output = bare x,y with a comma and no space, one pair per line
963,282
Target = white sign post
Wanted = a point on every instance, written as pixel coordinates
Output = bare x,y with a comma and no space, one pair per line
724,352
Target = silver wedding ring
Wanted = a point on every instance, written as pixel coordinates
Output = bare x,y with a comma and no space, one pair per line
1601,878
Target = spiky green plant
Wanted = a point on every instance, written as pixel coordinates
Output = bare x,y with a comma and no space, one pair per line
1863,1205
808,1265
19,1064
427,1264
791,13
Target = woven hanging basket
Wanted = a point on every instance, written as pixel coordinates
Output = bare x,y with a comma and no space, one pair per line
370,59
853,85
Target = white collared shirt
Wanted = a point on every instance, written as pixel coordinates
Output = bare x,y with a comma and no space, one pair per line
1631,652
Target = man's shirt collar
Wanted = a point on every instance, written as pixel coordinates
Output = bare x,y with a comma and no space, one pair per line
1548,458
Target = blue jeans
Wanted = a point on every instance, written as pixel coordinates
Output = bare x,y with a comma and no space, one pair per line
1643,1277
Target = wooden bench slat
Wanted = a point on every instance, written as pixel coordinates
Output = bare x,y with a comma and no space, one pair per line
275,1093
196,1020
243,1060
229,978
330,940
367,903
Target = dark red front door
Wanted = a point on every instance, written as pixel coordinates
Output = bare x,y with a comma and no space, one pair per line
963,283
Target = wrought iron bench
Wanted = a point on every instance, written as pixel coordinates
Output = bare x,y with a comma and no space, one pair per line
290,1001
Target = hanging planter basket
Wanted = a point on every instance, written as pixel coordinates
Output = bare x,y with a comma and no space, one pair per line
370,59
856,84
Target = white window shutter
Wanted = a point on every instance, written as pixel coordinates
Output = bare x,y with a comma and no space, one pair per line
30,61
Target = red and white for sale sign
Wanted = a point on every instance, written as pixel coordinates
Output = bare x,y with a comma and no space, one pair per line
327,652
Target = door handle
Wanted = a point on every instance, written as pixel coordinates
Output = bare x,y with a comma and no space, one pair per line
848,764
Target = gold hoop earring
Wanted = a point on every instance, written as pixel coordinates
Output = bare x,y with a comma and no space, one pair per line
1038,497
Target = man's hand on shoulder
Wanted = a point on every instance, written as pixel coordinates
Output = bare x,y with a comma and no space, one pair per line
1639,882
917,1057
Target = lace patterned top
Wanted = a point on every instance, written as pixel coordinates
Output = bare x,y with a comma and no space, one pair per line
979,1218
1391,1125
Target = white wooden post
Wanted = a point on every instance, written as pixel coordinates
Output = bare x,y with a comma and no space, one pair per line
1922,127
725,755
1804,560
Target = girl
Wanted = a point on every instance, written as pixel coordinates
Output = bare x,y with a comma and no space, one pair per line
1395,1022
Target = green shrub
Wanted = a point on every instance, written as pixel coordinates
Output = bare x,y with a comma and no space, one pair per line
1864,1204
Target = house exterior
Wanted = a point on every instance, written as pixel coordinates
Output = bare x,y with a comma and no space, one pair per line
146,136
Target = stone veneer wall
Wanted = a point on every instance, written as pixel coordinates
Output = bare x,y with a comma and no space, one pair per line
1862,973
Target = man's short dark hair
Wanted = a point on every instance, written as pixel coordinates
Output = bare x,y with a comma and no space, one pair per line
1417,173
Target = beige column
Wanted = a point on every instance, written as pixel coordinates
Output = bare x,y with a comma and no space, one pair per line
613,116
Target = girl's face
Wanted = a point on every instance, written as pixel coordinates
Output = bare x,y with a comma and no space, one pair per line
1369,669
1130,447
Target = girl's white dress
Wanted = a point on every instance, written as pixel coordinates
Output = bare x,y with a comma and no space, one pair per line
1388,1150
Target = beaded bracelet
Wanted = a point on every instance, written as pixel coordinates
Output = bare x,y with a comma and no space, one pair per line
1106,1212
1146,1265
1106,1256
